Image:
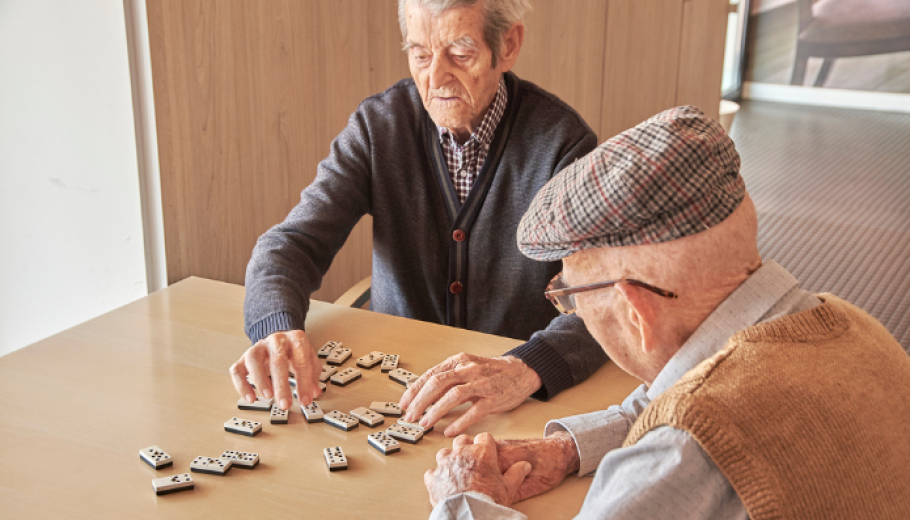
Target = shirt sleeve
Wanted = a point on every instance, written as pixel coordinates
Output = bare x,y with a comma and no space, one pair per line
664,475
599,432
473,506
290,259
564,354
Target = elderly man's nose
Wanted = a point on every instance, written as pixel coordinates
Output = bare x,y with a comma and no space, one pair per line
439,72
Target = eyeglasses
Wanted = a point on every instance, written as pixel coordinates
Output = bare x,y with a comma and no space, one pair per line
562,296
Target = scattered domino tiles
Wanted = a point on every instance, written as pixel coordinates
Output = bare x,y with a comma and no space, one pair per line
210,465
312,412
335,459
241,459
370,360
261,404
405,433
342,421
386,408
328,348
367,416
327,372
242,426
346,377
400,375
155,457
416,426
278,416
173,484
338,356
389,362
382,442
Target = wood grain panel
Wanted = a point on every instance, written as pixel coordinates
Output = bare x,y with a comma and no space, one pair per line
701,60
563,52
641,61
249,95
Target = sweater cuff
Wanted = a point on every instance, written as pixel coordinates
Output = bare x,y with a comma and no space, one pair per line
280,321
555,374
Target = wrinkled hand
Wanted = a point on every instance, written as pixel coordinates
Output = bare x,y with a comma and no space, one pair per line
268,363
493,385
473,466
552,459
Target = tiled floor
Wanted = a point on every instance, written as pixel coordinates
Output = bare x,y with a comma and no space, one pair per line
832,189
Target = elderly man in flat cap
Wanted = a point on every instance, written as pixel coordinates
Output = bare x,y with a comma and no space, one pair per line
760,399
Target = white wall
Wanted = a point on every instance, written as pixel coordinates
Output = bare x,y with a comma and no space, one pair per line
71,243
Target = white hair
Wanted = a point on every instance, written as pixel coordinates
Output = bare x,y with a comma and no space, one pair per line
498,17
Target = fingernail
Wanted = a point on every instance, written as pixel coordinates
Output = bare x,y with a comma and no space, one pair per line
284,404
249,398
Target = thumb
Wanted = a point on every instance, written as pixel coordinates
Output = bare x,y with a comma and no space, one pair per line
514,476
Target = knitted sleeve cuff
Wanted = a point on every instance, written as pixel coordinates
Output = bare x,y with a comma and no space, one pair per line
279,321
555,374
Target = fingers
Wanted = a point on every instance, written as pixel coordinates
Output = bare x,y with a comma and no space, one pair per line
474,414
278,366
256,361
460,441
238,377
454,397
306,366
426,390
514,477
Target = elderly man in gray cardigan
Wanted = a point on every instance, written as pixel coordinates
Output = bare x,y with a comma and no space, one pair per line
446,163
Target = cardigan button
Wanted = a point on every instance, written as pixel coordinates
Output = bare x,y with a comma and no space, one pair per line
456,288
459,235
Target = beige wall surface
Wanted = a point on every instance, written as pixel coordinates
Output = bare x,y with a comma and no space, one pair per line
249,95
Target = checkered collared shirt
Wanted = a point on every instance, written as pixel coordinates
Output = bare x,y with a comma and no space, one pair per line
465,161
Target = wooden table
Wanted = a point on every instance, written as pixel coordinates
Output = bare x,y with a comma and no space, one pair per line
76,409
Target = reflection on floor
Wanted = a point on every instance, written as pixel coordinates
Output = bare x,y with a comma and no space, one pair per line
832,189
772,46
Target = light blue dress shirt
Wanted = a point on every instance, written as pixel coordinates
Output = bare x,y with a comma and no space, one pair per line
666,474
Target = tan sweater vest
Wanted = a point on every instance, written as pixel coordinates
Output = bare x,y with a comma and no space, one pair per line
808,416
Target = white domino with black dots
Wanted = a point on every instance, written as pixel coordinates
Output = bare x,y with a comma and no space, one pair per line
402,376
389,362
278,416
346,377
312,412
386,408
341,420
405,433
242,426
382,442
217,466
173,484
241,459
338,356
328,348
370,360
155,457
327,372
367,416
335,459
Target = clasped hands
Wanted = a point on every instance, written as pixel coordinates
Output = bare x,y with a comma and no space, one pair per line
492,385
506,471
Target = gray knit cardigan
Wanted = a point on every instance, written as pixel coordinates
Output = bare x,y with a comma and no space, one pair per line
388,163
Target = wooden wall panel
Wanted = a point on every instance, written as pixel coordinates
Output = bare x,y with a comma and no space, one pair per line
249,95
641,61
701,61
563,52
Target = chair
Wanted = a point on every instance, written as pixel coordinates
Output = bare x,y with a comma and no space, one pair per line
358,295
833,29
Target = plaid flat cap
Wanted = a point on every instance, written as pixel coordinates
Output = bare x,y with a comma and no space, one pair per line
672,176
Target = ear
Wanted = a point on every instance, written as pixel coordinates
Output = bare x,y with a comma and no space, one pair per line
642,313
511,45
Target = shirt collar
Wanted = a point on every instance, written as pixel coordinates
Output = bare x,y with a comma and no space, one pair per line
484,133
744,307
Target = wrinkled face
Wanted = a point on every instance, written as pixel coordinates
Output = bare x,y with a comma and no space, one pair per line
452,65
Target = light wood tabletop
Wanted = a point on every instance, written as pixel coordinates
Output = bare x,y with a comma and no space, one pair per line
76,408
